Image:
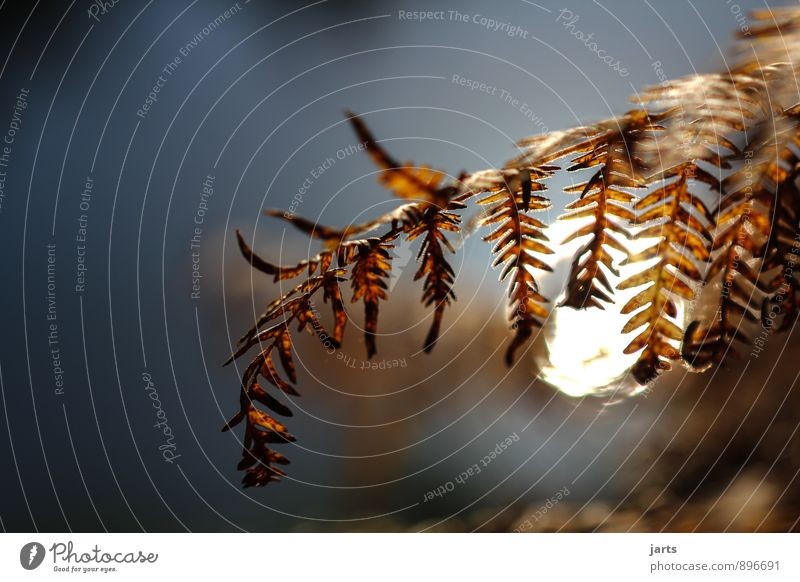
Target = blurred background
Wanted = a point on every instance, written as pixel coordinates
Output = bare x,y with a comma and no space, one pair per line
142,134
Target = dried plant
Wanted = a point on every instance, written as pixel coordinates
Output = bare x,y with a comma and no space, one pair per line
703,173
609,145
517,237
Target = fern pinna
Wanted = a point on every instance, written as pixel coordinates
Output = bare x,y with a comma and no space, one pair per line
602,197
702,173
517,238
680,222
366,262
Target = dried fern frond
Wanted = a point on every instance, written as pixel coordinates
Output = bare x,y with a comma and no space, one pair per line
732,136
407,181
602,198
782,257
681,222
261,429
712,98
368,278
321,263
430,218
404,215
707,116
770,51
780,21
516,238
425,186
703,115
541,150
779,195
368,260
280,273
773,38
744,219
439,276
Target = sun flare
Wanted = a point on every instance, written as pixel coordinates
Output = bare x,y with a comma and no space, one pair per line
584,347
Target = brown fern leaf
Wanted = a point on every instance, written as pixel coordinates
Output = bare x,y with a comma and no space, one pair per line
430,213
321,261
774,22
439,276
706,344
773,37
333,293
407,214
682,251
516,236
407,181
781,259
731,101
701,113
602,199
345,253
704,115
368,278
745,228
294,305
421,184
330,236
261,429
780,197
286,304
540,150
770,51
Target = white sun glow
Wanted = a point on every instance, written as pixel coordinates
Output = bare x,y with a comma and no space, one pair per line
585,347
